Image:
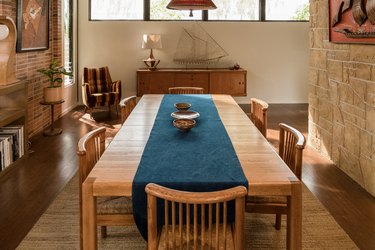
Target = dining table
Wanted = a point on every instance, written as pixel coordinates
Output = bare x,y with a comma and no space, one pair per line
265,171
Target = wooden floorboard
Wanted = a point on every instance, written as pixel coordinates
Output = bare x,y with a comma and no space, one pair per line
32,183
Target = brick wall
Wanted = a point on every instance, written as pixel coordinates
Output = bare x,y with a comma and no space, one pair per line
342,100
28,62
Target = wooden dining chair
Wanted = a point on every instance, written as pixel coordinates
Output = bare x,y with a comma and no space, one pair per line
111,211
291,145
185,90
199,206
258,115
126,107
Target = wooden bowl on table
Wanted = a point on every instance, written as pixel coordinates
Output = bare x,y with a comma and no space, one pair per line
184,124
182,106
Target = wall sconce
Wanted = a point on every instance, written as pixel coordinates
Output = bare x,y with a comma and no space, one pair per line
191,5
4,31
151,41
8,38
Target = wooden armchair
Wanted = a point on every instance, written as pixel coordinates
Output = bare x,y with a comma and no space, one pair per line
185,90
207,235
291,145
99,90
126,107
111,211
259,115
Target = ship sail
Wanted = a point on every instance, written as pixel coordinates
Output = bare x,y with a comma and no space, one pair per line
196,46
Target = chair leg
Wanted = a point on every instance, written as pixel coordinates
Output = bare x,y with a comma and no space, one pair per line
103,231
90,112
278,222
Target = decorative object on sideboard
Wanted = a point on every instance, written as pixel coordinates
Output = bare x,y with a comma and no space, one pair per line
53,93
151,41
191,5
196,46
236,66
8,37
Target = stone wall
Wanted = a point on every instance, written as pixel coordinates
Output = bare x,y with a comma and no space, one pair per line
342,100
27,64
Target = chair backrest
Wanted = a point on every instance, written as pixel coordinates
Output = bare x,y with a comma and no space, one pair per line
195,203
126,106
185,90
89,149
259,115
291,145
98,79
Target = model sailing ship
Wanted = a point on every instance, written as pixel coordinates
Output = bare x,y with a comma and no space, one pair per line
361,11
196,46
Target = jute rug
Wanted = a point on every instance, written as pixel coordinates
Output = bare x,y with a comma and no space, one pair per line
58,228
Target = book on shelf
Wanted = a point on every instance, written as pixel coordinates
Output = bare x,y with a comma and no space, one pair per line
18,141
11,144
7,154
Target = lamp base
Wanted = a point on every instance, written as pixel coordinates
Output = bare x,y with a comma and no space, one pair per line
151,63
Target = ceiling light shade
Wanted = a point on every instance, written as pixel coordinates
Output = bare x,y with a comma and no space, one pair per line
191,5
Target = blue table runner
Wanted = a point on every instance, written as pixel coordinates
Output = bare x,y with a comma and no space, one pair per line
201,160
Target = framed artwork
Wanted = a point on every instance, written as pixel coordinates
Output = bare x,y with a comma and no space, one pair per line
32,25
352,21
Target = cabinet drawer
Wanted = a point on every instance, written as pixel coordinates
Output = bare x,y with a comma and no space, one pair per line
200,80
231,83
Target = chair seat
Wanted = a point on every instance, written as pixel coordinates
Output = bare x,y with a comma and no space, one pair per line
114,205
207,245
266,199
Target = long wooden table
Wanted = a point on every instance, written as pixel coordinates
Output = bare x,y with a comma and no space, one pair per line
265,171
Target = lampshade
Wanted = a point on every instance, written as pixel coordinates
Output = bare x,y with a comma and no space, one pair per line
191,5
151,41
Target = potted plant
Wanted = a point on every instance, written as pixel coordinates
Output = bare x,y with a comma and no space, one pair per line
53,92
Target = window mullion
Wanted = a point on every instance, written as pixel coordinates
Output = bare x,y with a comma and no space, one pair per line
146,10
262,10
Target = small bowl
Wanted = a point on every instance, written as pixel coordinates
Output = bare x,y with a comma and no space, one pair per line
184,124
182,106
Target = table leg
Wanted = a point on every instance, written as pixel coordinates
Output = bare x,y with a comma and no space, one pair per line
294,220
52,131
89,234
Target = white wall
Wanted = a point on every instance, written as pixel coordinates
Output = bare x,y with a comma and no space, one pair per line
274,54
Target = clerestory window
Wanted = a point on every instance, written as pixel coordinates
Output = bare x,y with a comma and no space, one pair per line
227,10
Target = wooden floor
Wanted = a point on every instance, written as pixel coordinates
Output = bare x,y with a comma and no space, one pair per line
32,183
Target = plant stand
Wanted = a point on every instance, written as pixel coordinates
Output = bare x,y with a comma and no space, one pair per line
52,131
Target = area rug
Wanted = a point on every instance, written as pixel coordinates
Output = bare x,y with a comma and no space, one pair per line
58,228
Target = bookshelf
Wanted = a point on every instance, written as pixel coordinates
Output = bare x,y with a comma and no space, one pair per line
13,108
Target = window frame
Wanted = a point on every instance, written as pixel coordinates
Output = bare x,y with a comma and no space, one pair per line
205,16
68,80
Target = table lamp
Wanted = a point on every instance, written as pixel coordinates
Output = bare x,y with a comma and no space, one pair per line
151,41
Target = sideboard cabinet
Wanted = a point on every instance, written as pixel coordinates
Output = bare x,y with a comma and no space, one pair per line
213,81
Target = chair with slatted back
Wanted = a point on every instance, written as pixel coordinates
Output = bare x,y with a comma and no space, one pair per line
185,90
201,210
259,115
98,89
111,211
291,145
126,107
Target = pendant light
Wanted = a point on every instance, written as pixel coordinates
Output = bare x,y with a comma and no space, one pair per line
191,5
